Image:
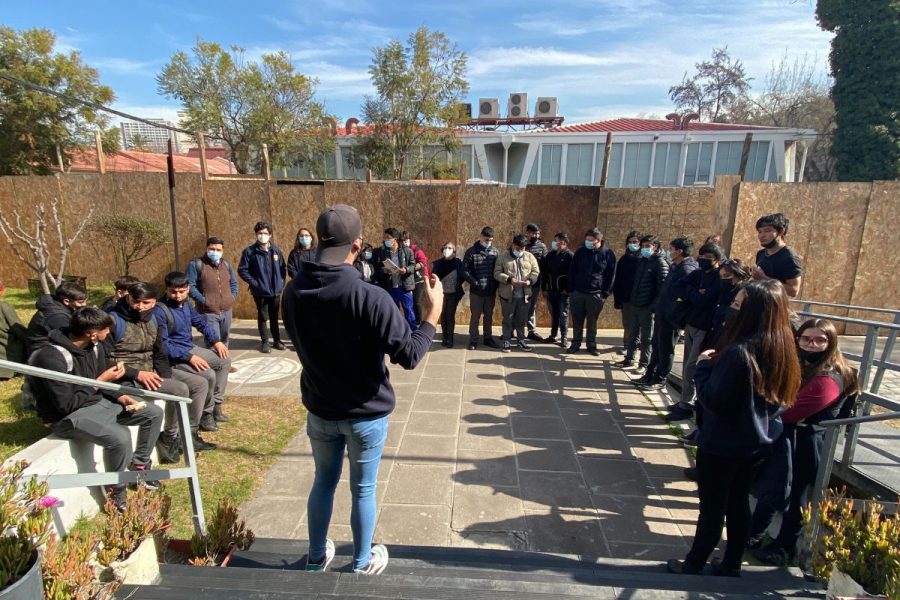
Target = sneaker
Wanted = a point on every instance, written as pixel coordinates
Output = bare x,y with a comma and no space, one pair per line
265,348
524,347
506,347
620,351
534,337
117,495
378,560
218,415
679,567
573,349
624,364
147,484
208,422
491,343
756,541
719,570
592,350
652,385
200,444
774,554
690,440
679,413
549,340
639,370
168,448
473,346
279,345
329,556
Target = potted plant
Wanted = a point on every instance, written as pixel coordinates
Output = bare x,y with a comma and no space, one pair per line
67,570
225,533
858,545
24,528
127,539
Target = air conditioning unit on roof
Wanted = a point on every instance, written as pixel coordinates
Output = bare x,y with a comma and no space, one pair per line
517,107
546,107
489,108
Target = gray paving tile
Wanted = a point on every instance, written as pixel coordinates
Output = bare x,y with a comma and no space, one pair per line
613,476
579,532
432,423
413,525
533,406
494,380
588,420
427,449
541,428
487,508
600,444
543,491
420,484
442,403
629,519
474,467
546,455
495,437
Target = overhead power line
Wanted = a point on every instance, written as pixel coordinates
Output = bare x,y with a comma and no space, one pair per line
45,90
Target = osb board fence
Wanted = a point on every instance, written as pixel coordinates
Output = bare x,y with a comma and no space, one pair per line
828,221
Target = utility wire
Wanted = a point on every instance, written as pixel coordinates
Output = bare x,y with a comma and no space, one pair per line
45,90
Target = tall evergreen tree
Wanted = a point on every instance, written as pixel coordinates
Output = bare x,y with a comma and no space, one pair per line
865,64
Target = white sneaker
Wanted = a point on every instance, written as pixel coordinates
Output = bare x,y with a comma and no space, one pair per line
378,560
329,556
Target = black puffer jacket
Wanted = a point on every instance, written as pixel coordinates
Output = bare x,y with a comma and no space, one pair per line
671,306
478,269
299,255
648,278
626,270
51,314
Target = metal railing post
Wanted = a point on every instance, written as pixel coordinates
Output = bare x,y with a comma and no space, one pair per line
865,366
190,461
823,476
885,356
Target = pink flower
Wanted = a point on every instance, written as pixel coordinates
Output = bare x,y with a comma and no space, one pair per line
49,501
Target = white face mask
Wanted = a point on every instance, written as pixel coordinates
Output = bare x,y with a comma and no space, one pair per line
406,243
448,252
263,238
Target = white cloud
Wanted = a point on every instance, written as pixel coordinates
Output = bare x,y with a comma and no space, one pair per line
493,60
126,66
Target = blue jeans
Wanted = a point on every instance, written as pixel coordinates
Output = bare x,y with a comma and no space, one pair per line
221,323
364,439
404,300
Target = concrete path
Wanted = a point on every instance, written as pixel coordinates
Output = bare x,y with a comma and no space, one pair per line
540,451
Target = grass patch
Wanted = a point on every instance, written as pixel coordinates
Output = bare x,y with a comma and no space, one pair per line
18,428
23,301
250,443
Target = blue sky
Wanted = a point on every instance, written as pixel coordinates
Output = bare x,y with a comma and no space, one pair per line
601,58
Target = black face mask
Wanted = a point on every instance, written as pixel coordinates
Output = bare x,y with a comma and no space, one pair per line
726,285
731,316
811,357
771,244
705,264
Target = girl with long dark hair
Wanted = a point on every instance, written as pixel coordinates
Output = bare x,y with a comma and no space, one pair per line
742,385
304,251
826,381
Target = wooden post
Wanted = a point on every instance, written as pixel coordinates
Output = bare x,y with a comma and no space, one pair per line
745,155
204,171
267,173
604,173
170,167
368,175
463,173
62,165
101,158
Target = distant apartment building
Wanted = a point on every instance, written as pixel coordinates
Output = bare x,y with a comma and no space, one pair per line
155,139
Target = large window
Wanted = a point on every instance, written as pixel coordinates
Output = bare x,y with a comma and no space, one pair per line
637,164
615,165
349,172
551,159
463,155
699,157
728,159
665,164
578,164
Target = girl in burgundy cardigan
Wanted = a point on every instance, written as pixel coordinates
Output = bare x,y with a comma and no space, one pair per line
827,380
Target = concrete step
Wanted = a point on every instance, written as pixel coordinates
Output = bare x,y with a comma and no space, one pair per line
274,569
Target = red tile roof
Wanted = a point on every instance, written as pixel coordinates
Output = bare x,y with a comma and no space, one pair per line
147,162
643,125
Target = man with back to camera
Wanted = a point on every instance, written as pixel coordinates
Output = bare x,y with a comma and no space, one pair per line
777,260
337,322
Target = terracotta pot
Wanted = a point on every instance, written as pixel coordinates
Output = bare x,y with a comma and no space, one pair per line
29,587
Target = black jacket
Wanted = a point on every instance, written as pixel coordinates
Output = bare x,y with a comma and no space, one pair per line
51,314
57,399
297,256
405,260
342,328
592,271
539,250
450,272
555,270
478,269
648,280
720,317
700,289
670,306
626,269
263,270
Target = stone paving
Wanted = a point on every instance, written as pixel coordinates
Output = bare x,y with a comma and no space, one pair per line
542,451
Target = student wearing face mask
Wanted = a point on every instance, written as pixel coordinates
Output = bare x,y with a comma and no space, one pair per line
263,267
591,277
652,269
214,287
395,272
539,250
626,269
733,274
777,260
363,264
448,269
554,281
478,271
304,251
517,273
422,272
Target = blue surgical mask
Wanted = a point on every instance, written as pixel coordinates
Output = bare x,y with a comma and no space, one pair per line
367,255
554,246
305,240
213,255
646,252
589,244
388,244
485,244
517,253
634,247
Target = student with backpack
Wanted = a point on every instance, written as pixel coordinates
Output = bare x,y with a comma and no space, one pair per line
214,287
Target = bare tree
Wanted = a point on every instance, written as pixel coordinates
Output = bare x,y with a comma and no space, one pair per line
714,88
36,253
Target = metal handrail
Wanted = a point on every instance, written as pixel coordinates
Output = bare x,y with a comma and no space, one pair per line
807,303
823,475
74,480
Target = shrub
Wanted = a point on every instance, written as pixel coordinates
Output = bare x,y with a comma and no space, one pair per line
146,514
132,238
223,529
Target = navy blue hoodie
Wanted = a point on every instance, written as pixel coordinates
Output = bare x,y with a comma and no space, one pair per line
342,327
